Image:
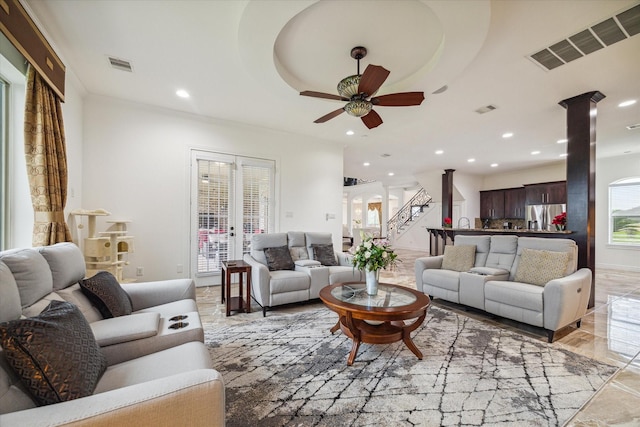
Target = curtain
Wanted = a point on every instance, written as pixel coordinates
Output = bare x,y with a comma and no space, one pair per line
46,161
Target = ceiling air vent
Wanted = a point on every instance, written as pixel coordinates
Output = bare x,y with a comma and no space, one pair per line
634,127
486,109
609,31
120,64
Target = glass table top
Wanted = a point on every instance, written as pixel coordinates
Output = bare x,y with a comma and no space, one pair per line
388,296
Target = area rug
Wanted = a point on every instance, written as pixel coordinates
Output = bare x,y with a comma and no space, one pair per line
291,371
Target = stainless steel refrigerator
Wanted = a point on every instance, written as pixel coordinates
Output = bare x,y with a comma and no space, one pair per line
539,217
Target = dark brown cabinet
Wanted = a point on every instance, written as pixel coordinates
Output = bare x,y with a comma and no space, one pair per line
546,193
514,203
492,204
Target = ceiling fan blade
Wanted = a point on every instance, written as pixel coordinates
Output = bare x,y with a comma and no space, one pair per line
403,99
372,79
323,95
372,120
330,116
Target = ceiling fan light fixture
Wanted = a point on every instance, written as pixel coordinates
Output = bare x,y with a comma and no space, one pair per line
358,108
348,86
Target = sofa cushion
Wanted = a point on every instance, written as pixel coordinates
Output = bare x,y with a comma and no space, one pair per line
317,239
503,252
482,244
445,279
10,308
269,240
75,295
459,257
55,354
540,267
288,281
106,294
66,263
549,244
324,253
31,273
279,258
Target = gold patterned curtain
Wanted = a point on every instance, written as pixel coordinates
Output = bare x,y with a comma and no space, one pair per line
46,156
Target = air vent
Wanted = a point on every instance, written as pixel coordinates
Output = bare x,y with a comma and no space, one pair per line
120,64
385,155
634,127
486,109
605,33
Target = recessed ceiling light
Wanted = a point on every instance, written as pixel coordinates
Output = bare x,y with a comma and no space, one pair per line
350,132
562,141
391,174
366,164
563,155
438,152
182,93
534,153
471,160
507,135
494,165
627,103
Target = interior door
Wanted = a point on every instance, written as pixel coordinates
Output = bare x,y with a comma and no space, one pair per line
232,199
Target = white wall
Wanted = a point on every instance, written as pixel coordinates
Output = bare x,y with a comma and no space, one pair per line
554,172
609,170
136,166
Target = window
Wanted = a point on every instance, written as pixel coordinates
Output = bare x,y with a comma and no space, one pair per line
624,212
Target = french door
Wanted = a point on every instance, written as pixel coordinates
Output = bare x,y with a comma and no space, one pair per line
232,199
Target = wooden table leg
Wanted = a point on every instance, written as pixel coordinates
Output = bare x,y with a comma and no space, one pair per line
354,351
248,308
224,273
228,287
335,328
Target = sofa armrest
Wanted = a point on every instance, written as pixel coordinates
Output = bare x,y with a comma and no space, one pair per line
149,294
260,279
194,398
566,299
345,259
121,329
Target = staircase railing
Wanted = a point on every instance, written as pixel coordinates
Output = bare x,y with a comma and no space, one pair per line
409,211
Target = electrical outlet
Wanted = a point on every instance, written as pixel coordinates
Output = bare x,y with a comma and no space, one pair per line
179,268
140,271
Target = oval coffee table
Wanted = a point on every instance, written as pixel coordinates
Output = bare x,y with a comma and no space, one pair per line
377,319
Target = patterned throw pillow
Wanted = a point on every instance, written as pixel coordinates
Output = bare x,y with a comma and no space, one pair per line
540,267
324,254
459,257
106,294
55,354
279,258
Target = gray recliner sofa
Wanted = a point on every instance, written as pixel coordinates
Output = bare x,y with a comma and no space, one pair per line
499,282
308,276
155,375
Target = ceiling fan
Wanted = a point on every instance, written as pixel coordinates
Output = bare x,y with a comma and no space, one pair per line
359,90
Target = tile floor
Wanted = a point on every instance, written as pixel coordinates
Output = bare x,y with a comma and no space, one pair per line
610,332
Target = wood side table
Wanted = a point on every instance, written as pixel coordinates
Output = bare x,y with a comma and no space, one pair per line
238,303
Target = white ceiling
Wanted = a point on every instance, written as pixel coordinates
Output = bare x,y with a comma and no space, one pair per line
246,61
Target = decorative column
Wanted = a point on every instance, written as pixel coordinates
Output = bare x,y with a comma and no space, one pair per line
581,177
447,194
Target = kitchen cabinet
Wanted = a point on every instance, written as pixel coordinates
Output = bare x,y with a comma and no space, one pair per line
492,204
514,203
546,193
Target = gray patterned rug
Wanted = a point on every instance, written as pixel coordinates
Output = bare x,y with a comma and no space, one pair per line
290,371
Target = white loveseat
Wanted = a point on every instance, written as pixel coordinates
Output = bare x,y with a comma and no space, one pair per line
155,375
545,289
305,277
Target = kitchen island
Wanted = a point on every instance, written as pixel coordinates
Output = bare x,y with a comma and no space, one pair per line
439,237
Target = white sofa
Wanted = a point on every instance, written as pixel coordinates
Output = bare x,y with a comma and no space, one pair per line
308,275
155,375
500,282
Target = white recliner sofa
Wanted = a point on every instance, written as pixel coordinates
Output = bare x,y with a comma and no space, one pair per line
305,276
158,370
531,280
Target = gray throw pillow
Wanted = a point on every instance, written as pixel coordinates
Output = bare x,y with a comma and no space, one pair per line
106,294
324,254
55,354
279,258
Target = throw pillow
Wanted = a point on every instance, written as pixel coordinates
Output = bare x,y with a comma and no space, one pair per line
324,254
55,354
279,258
106,294
539,267
459,257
